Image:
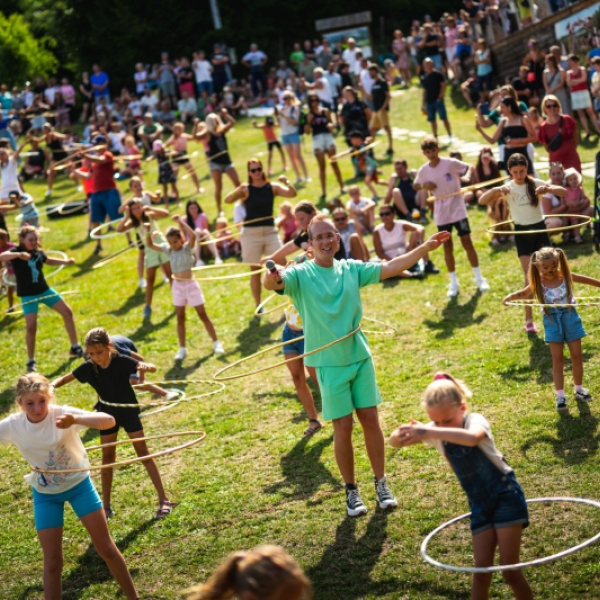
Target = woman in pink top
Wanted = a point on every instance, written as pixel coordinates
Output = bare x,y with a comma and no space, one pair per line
196,219
179,141
400,50
68,93
581,100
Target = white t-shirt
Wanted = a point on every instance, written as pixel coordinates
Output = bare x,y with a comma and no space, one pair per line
188,105
324,93
366,80
44,445
521,211
116,141
446,175
135,106
239,212
292,317
255,58
149,102
9,178
50,93
292,112
335,82
203,70
487,446
393,242
140,78
350,57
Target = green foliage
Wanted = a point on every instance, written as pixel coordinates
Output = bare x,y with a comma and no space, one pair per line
23,55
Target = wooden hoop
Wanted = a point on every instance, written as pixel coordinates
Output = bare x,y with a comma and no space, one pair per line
257,312
368,147
586,301
262,269
131,461
391,329
584,222
235,233
217,376
17,311
186,381
104,236
469,188
115,255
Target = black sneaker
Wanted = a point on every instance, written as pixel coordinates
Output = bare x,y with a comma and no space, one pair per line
389,151
354,505
385,498
76,351
97,249
31,365
561,403
417,275
583,395
431,268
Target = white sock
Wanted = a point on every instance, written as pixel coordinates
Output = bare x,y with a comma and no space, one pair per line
453,278
477,272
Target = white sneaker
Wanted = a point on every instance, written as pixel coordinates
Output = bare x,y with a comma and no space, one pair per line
218,347
80,188
218,260
142,283
171,396
166,279
181,353
48,194
483,285
308,180
199,263
453,290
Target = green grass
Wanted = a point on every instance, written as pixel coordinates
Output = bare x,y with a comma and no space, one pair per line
256,479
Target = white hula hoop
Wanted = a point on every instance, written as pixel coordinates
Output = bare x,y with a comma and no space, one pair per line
517,566
59,254
104,236
6,278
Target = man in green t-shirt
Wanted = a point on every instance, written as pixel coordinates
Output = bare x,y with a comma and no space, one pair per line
326,293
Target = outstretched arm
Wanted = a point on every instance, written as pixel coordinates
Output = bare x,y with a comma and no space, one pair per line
63,380
95,420
583,279
394,267
520,295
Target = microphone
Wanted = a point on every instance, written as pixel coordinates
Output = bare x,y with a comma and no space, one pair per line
270,264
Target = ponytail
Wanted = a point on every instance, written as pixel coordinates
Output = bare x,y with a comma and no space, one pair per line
221,585
518,160
446,390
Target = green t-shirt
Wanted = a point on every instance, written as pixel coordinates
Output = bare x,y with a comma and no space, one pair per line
329,303
297,57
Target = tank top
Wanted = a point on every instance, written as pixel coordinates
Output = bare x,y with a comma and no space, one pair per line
324,93
292,113
406,188
9,178
516,132
217,144
180,144
580,87
319,123
393,242
260,204
56,146
557,295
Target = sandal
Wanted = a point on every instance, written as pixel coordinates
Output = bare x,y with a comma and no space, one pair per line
310,431
109,512
165,508
530,327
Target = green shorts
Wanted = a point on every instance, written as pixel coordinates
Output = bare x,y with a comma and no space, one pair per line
344,389
152,258
31,303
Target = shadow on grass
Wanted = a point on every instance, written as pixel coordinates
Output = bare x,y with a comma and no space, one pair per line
576,437
134,301
456,316
178,371
147,328
85,267
7,399
303,471
256,335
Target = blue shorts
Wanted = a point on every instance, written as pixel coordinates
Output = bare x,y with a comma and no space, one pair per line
563,325
506,509
31,303
290,138
49,509
289,335
437,106
105,203
484,82
437,61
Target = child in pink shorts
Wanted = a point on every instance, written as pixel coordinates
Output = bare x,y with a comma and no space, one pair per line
186,290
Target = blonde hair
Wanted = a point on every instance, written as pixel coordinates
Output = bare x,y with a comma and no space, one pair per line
267,572
33,383
535,281
222,221
445,390
213,123
551,98
26,230
287,205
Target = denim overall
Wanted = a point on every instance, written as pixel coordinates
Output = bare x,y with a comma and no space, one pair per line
495,498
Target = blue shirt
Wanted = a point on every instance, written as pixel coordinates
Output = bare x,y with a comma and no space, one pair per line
100,79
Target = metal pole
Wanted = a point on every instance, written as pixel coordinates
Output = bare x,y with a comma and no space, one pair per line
214,9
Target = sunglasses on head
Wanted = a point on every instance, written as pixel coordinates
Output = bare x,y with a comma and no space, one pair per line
385,214
255,170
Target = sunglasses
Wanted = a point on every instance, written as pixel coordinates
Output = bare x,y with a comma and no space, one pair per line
256,170
314,100
340,219
385,214
548,105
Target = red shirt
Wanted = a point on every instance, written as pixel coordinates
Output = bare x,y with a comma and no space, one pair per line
567,153
104,174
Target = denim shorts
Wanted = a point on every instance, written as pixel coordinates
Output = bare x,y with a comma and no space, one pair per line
49,509
105,203
289,335
436,107
31,303
290,138
563,325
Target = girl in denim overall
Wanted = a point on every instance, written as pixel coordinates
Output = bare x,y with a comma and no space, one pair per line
498,507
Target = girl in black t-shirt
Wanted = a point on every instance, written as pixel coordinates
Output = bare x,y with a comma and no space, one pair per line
109,372
27,261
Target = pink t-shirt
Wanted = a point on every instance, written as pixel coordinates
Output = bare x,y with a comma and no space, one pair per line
200,222
446,175
451,36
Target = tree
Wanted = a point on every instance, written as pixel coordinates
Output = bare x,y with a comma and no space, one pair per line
23,55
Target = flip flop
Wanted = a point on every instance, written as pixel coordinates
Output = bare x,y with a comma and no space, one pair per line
310,431
165,509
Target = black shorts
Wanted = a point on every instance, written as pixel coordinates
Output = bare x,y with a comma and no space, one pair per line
275,144
334,105
127,418
528,243
138,239
181,159
462,227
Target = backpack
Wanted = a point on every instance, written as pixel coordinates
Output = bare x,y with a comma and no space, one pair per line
301,121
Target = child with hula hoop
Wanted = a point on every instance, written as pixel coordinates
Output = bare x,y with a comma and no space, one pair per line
498,507
179,141
551,282
185,289
46,435
27,260
109,373
136,216
522,195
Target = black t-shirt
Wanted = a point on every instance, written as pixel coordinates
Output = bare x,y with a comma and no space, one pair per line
346,79
379,90
111,384
520,86
123,345
432,83
354,117
431,50
30,278
475,8
221,67
302,238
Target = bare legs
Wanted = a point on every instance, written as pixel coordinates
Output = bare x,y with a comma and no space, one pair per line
180,311
296,369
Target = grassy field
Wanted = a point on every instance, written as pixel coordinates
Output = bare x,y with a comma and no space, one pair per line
255,479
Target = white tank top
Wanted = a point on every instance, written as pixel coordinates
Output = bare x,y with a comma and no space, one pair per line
393,242
9,178
324,93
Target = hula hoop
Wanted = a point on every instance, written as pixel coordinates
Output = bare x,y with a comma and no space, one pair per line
17,311
235,233
218,378
114,255
517,566
61,255
586,301
186,381
158,410
131,461
257,312
585,221
47,211
391,329
177,400
262,269
5,278
469,188
79,205
104,236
